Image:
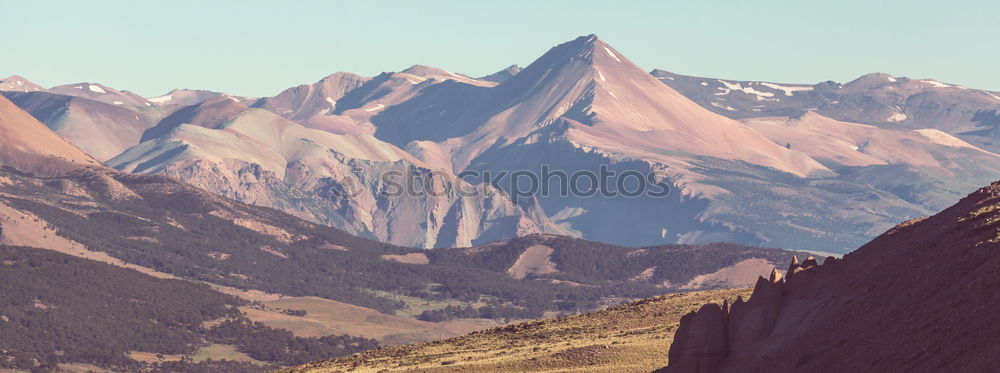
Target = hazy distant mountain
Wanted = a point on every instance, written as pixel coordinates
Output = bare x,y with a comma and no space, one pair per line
878,99
185,97
101,93
16,83
307,100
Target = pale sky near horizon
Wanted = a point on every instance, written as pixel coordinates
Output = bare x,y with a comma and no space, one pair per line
258,48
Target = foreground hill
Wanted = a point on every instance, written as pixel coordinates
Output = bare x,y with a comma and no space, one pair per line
57,309
625,338
919,298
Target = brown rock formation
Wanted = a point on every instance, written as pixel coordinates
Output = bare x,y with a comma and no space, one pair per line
884,308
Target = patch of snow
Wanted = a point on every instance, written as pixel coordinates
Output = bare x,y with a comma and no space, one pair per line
78,87
161,99
600,75
94,88
890,78
721,106
117,102
995,97
788,90
897,117
669,77
936,83
704,84
612,94
375,108
730,87
19,82
612,54
333,103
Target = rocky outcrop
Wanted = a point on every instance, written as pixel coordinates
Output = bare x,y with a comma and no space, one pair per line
918,298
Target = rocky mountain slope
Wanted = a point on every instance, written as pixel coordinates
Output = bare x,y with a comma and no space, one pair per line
342,180
916,299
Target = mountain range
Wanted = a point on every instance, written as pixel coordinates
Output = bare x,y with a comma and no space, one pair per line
747,162
205,231
269,289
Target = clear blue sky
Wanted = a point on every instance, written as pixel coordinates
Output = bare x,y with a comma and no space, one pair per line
261,47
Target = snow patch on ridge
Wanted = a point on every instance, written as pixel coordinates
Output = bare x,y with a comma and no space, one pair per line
161,99
897,117
936,83
730,87
788,90
94,88
612,54
721,106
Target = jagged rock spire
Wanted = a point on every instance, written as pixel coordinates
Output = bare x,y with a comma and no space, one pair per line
775,276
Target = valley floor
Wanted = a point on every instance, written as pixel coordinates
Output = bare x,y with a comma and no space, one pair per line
633,337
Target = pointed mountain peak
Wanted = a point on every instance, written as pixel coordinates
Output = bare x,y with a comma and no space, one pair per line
342,75
873,80
16,83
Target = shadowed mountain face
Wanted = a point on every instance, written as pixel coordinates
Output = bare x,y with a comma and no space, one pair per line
916,299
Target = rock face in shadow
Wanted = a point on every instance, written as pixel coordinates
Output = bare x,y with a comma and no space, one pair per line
918,298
